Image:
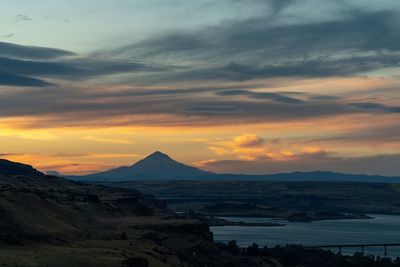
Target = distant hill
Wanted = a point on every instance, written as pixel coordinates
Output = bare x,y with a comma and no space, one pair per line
159,166
315,176
54,173
13,168
155,166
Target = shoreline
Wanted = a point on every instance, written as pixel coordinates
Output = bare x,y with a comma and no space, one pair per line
223,219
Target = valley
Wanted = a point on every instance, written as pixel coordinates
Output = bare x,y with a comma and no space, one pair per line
302,201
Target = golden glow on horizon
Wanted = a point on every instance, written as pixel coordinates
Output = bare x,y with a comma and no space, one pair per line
48,144
77,150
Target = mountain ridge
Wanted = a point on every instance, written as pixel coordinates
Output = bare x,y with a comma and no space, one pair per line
160,166
157,165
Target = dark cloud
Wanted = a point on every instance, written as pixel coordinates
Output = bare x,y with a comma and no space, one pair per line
354,43
74,68
306,68
371,106
30,66
213,110
184,105
276,97
31,52
171,107
372,134
18,80
276,6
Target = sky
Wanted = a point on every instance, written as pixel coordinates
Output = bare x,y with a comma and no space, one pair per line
237,86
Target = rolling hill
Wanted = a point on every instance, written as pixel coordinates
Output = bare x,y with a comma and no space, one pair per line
14,168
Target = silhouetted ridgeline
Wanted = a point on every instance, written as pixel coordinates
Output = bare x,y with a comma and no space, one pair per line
13,168
159,166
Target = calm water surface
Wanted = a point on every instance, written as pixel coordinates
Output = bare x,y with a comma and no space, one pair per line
381,229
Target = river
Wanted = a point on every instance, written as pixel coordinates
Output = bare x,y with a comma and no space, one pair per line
381,229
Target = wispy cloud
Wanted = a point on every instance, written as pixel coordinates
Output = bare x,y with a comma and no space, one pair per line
354,43
72,105
21,17
7,35
31,52
33,66
109,140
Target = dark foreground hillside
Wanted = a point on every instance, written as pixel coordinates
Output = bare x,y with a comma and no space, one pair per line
49,221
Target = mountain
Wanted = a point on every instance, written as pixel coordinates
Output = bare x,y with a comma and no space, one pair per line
159,166
13,168
314,176
155,166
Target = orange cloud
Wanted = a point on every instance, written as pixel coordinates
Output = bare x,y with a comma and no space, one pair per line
248,140
108,140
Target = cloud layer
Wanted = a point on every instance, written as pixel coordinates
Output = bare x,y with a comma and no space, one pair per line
278,76
358,41
35,66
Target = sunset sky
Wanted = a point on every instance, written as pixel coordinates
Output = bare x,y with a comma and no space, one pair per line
244,86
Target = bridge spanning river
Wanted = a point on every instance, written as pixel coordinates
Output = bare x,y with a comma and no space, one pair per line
362,247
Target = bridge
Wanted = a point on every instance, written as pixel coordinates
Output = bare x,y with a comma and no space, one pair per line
361,246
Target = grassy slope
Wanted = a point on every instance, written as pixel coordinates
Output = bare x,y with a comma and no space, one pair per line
96,253
47,221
